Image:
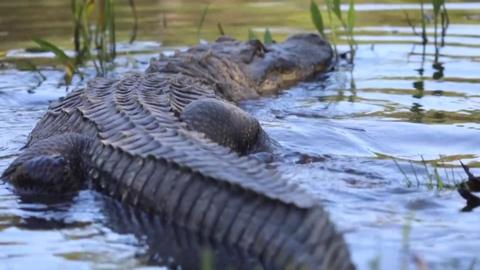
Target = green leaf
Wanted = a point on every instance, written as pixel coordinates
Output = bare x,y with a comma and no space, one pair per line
267,37
351,17
440,184
89,8
336,9
317,17
26,65
251,35
66,61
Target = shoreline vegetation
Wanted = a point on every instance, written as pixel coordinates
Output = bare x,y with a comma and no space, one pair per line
95,37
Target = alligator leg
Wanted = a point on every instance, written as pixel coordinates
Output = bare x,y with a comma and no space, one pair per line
227,125
50,166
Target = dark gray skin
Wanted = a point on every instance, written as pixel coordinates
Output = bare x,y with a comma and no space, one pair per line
171,142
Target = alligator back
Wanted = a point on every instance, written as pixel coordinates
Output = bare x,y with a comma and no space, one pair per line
141,153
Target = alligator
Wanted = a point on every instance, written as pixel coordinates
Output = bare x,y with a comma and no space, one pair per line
172,142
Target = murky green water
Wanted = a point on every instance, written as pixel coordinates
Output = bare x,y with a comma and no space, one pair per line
339,134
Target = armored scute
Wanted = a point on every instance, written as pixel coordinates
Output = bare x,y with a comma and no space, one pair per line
172,142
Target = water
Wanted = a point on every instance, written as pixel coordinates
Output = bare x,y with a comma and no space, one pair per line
339,134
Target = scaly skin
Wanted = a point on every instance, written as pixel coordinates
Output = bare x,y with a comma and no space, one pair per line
171,142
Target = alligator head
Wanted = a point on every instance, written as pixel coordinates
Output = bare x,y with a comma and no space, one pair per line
245,70
278,65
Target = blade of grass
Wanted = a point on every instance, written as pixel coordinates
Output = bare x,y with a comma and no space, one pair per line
317,18
111,28
220,29
424,23
437,4
415,173
202,20
133,8
409,183
267,37
440,184
430,180
251,35
333,28
64,59
336,8
59,53
445,23
351,17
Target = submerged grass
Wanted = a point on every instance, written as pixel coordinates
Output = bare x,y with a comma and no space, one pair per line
430,175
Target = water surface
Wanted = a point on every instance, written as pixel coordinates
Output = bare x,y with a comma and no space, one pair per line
339,133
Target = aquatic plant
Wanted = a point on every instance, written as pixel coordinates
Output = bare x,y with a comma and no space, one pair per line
220,29
317,18
335,17
27,65
430,176
94,37
423,20
251,35
267,37
441,23
99,36
68,63
202,20
133,34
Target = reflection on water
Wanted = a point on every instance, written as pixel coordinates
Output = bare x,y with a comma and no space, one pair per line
338,133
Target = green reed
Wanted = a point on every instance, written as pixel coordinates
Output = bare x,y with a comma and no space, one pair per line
251,35
429,176
202,20
267,37
336,17
441,23
94,36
